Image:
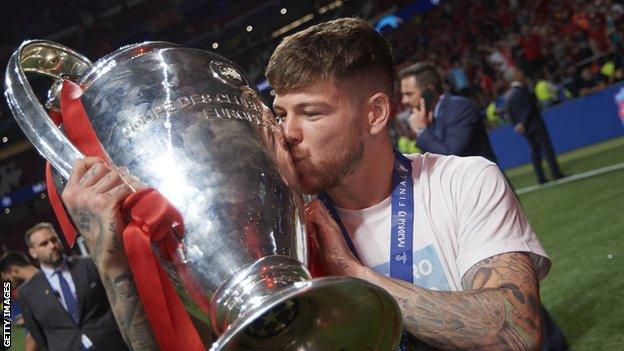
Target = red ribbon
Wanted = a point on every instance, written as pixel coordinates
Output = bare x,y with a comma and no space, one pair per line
66,225
151,218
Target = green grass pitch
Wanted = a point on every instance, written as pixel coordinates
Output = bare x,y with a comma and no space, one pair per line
580,224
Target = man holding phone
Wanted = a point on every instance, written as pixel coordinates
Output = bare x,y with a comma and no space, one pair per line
443,123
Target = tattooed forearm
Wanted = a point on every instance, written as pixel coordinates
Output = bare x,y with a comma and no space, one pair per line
498,310
90,227
129,312
484,319
341,262
107,253
115,247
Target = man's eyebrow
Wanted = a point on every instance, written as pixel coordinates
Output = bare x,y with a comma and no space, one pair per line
303,105
311,104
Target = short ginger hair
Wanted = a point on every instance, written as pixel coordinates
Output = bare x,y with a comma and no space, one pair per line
338,49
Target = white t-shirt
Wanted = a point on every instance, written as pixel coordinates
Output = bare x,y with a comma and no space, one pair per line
464,212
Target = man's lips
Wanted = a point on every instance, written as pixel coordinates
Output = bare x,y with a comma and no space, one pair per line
297,159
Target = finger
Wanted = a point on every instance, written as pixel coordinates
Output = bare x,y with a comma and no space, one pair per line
311,231
134,182
327,231
320,216
311,217
81,167
123,170
93,175
322,213
120,192
311,209
309,205
107,182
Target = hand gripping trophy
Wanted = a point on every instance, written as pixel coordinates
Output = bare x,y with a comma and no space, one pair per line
188,124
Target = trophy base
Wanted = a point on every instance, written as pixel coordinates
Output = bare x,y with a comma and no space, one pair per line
334,313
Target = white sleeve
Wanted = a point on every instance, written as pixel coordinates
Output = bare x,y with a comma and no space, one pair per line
491,222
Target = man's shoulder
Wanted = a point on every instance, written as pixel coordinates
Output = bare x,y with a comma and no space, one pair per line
460,106
31,285
458,100
79,261
446,163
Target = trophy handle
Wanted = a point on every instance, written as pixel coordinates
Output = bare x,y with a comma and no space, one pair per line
55,61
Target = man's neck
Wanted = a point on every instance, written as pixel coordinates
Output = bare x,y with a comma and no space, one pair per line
368,185
52,267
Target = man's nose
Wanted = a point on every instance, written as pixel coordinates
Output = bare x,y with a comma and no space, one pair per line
292,131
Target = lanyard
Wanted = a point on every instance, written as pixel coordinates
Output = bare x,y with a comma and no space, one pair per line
402,229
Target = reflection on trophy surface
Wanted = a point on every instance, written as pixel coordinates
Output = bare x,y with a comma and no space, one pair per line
186,122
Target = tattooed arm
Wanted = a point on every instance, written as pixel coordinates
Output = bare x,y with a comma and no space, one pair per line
498,310
92,197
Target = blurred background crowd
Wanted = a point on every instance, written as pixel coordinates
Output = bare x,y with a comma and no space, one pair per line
567,47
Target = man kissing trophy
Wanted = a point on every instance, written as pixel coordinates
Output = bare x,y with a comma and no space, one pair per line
187,123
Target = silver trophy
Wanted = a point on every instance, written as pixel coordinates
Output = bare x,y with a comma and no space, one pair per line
187,123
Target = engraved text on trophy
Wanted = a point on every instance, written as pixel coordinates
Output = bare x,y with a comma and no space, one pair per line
213,106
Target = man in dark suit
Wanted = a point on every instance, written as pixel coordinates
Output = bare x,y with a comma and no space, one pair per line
443,123
65,305
16,268
523,111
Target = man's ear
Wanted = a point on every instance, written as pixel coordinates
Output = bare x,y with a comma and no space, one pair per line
33,252
378,113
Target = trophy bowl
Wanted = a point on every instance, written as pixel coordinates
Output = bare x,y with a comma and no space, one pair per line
187,123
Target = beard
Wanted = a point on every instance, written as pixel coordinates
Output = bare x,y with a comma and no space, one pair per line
330,170
52,260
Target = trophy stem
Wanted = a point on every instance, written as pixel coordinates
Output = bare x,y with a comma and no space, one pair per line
273,304
251,286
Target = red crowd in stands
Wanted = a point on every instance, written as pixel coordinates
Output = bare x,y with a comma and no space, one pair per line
574,43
